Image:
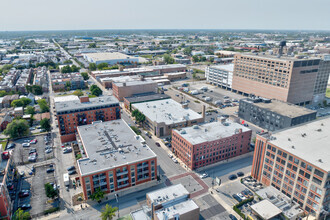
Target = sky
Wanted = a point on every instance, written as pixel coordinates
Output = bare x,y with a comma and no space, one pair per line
23,15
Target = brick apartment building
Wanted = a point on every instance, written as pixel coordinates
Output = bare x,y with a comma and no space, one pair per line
73,112
288,79
129,88
7,176
202,145
117,159
296,162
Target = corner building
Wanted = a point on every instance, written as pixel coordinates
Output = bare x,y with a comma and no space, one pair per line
296,162
202,145
73,112
116,161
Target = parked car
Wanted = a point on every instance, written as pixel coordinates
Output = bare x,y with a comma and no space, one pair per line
232,217
48,151
11,145
33,157
50,170
170,155
67,150
32,150
34,141
204,175
72,172
71,168
175,160
26,145
25,206
232,177
157,144
23,194
239,174
237,198
241,196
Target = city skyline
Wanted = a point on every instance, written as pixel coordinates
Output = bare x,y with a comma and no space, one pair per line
279,15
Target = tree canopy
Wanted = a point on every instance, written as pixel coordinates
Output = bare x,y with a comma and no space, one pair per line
84,75
50,191
78,92
21,215
168,59
108,212
30,110
70,69
43,105
95,90
20,102
139,117
92,45
98,195
92,66
17,128
45,124
102,66
35,89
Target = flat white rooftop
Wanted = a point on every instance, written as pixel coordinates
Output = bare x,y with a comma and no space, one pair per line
67,98
109,56
228,67
167,194
109,145
180,209
266,210
167,111
198,134
310,142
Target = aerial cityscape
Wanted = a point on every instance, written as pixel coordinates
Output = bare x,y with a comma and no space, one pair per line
118,118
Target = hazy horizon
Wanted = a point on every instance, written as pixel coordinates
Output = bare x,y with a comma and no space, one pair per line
38,15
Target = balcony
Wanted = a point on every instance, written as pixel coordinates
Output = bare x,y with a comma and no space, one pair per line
122,173
121,180
121,186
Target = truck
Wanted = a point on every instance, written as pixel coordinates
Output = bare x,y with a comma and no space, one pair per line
66,179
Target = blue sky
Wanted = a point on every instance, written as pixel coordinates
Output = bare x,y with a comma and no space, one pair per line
164,14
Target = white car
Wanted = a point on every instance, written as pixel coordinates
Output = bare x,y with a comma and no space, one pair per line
241,196
204,175
26,145
175,160
170,155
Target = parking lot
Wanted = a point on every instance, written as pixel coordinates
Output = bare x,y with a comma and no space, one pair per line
23,155
35,185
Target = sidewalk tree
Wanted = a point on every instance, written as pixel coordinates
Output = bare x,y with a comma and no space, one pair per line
98,195
45,124
43,105
95,90
108,212
84,75
21,215
92,66
139,117
17,128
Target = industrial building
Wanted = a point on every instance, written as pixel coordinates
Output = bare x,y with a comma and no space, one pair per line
273,114
221,76
143,97
112,58
202,145
171,203
296,162
116,159
163,115
290,79
129,88
73,111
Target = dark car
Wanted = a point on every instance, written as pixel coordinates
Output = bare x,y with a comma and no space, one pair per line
232,217
232,177
24,206
11,145
237,198
240,174
157,144
23,194
33,150
50,170
71,168
72,172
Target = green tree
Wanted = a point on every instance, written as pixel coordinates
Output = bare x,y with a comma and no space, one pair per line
74,69
21,215
95,90
92,45
21,102
139,117
168,59
66,69
17,128
50,191
187,51
108,212
30,110
211,59
43,105
45,124
92,66
68,85
102,66
78,93
67,62
85,75
195,58
98,195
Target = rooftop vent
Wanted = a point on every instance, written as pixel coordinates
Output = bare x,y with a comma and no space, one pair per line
292,147
289,139
319,130
320,160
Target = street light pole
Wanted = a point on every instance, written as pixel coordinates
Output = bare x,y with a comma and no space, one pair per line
116,195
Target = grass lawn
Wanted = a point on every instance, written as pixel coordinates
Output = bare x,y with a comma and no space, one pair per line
92,96
328,93
3,144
